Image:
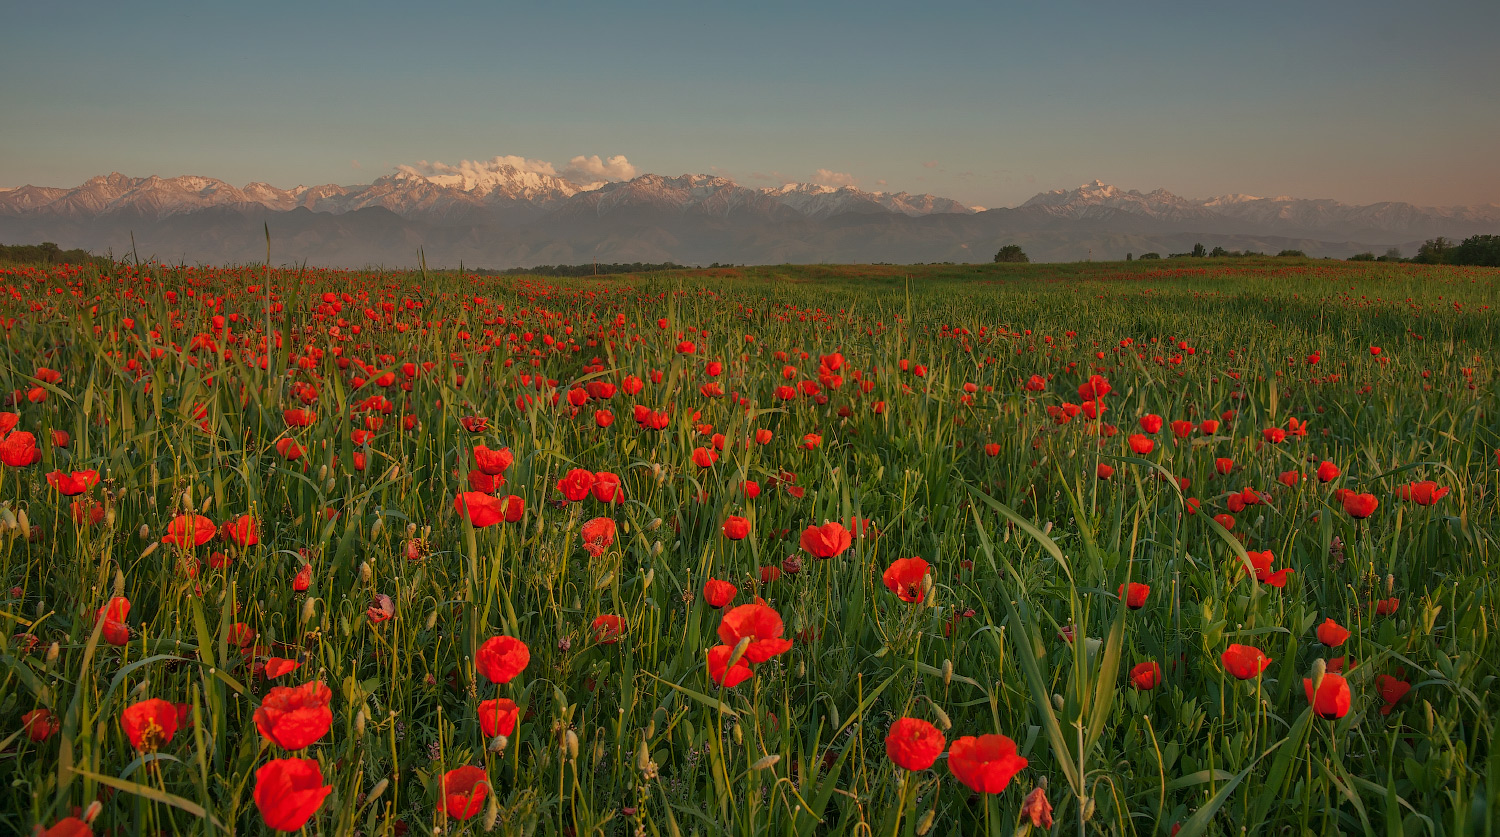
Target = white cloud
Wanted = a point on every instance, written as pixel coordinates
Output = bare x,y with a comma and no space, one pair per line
825,177
592,169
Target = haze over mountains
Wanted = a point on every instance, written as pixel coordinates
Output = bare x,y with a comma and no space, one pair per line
498,216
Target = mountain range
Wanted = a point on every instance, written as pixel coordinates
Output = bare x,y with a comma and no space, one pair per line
502,216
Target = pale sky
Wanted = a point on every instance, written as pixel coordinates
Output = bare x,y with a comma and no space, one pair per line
1358,101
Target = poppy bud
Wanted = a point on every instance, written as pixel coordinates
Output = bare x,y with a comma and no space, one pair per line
947,672
359,724
498,744
642,757
570,745
376,791
52,652
23,523
924,825
765,762
307,610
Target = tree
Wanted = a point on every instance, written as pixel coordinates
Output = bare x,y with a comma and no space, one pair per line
1218,253
1153,255
1011,253
1483,250
1297,254
1433,251
1198,251
1391,255
1362,257
1129,257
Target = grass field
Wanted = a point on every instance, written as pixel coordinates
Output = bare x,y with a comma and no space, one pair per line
391,553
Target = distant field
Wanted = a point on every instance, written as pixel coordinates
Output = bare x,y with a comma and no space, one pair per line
1171,547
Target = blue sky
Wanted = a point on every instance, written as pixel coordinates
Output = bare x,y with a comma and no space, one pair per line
988,104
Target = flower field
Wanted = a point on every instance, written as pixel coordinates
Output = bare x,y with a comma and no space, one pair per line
1186,547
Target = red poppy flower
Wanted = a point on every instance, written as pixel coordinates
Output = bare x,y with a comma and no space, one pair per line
1261,561
575,484
1141,445
67,827
40,724
1151,423
1103,471
904,578
762,624
1332,634
303,579
1392,690
607,628
985,764
1244,661
280,666
115,631
914,744
289,449
606,488
826,541
464,791
294,717
243,530
149,724
288,792
736,528
1333,698
475,424
1289,478
1208,427
1360,506
1136,598
501,658
763,437
704,458
299,418
718,593
1328,472
71,485
1145,676
1423,493
19,449
492,462
1182,429
722,673
189,530
498,717
484,483
479,509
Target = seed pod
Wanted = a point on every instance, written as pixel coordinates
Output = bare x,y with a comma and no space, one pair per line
119,582
491,812
1057,701
765,761
376,791
431,618
947,672
359,723
150,548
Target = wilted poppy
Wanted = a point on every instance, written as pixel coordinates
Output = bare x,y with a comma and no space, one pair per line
598,535
294,717
985,764
149,724
464,790
913,744
288,792
501,658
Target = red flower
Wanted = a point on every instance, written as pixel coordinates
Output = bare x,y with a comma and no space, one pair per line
575,485
289,449
294,717
475,424
762,624
464,791
67,827
303,579
479,509
1151,423
243,530
1208,427
1290,478
149,724
115,631
1182,429
1332,634
70,485
498,717
40,724
492,462
1360,506
1141,445
1261,561
722,673
1391,691
280,666
501,658
1145,676
904,578
607,488
811,441
1104,471
598,535
763,437
914,744
826,541
736,528
986,763
288,792
718,593
19,449
1136,598
1244,661
608,628
1328,472
189,530
1223,465
1423,493
1333,698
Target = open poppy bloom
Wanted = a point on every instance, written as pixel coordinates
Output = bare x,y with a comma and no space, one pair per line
606,488
1135,598
904,578
598,535
19,449
501,658
149,724
736,528
288,792
189,530
492,462
115,631
575,484
762,624
1423,493
1332,634
826,541
913,744
1141,445
1360,506
985,764
293,717
243,530
1145,676
1261,561
1328,472
608,628
724,674
1391,690
71,485
718,593
280,666
1333,697
464,791
1244,661
479,509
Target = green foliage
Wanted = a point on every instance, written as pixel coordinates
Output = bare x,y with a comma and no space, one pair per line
48,253
1012,253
